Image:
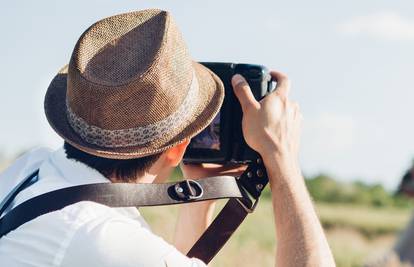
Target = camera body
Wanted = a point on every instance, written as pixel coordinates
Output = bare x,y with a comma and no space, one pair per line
222,141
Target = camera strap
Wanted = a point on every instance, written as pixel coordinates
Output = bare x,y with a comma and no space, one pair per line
252,182
243,193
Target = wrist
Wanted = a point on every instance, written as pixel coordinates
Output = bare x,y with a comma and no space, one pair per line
280,158
272,147
284,167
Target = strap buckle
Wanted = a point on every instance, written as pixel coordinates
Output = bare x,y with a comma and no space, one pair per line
252,181
188,190
246,208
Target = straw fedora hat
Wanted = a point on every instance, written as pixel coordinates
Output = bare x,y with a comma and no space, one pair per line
131,88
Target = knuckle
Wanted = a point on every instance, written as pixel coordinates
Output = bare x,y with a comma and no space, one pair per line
273,99
248,107
242,84
287,79
286,84
283,98
245,88
283,77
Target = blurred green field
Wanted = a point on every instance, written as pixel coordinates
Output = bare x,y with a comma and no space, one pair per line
355,233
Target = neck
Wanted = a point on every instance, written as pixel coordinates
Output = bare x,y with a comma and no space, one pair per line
157,173
146,178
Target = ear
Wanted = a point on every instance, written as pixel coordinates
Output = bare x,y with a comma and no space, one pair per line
174,155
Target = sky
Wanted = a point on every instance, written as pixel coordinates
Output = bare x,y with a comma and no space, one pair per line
351,65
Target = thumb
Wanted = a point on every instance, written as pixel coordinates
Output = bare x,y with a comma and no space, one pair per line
243,92
283,83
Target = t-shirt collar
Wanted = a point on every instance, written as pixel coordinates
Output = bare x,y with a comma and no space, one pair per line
75,172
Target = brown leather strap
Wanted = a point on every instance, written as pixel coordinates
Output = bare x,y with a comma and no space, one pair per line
219,232
121,195
252,182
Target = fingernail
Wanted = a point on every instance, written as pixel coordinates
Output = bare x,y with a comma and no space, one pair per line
237,79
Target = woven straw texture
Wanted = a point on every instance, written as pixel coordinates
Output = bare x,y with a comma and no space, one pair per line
131,88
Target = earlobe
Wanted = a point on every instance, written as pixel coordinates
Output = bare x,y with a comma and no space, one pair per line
175,154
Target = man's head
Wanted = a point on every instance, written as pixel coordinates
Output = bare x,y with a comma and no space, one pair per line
412,169
131,90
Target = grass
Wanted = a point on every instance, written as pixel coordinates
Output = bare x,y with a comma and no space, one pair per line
358,234
369,221
355,233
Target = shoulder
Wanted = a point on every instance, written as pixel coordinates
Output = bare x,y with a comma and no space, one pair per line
22,167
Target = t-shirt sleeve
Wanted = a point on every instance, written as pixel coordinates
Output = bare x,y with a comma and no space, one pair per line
122,242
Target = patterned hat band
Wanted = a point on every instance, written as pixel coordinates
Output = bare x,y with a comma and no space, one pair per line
138,135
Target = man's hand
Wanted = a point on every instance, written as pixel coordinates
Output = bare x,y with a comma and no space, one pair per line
273,124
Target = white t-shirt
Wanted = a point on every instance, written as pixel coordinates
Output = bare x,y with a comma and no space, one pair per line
82,234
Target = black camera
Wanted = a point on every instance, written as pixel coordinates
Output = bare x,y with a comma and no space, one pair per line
222,141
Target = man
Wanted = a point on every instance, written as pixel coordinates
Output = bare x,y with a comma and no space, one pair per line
402,253
127,105
406,186
403,247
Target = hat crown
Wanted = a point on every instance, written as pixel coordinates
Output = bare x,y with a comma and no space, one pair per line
122,65
118,49
131,89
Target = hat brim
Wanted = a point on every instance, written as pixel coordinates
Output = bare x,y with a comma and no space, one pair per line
210,99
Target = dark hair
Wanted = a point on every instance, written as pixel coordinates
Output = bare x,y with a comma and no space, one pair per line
125,170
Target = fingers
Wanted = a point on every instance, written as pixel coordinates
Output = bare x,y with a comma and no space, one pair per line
243,92
198,171
283,83
297,112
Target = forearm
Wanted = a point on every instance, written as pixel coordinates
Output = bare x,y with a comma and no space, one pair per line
193,220
301,240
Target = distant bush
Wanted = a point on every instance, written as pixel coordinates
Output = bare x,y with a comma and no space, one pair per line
324,188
